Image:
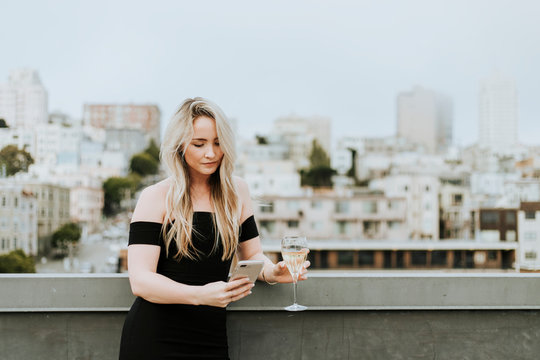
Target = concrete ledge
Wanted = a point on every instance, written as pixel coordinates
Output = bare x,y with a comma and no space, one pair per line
323,291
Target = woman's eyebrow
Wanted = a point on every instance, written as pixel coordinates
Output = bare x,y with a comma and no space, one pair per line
203,139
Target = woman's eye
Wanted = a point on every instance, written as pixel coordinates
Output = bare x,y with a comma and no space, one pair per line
198,145
217,144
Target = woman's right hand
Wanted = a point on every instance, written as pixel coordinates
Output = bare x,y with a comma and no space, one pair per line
222,293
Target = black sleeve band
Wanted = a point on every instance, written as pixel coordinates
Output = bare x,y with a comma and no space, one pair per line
144,232
248,229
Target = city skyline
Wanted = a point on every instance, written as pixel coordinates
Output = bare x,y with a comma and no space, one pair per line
344,60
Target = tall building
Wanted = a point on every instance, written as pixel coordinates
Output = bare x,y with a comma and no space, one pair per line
425,118
145,118
498,113
23,100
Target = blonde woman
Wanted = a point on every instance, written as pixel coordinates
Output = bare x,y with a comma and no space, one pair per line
184,233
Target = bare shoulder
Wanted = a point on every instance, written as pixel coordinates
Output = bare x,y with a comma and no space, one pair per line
242,187
151,203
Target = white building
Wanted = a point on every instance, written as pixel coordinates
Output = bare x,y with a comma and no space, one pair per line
58,145
456,208
425,117
421,192
277,177
529,235
18,218
498,121
23,99
20,137
52,209
332,216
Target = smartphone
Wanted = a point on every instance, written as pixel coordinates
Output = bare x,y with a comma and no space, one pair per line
247,268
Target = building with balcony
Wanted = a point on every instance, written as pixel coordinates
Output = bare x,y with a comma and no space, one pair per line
528,219
331,215
18,218
422,202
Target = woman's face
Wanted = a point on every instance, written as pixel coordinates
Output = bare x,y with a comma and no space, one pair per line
203,154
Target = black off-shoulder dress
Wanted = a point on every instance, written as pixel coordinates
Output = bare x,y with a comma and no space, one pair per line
177,331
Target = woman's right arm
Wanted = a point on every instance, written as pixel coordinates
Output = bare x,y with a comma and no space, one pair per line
151,286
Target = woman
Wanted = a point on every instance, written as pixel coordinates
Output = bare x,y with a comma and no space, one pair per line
184,233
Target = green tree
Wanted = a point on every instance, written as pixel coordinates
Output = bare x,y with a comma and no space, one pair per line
143,164
3,124
69,233
17,262
117,189
153,150
15,160
319,174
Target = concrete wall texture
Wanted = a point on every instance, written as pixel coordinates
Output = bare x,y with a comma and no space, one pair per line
312,335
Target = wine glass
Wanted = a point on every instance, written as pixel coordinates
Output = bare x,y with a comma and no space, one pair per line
294,250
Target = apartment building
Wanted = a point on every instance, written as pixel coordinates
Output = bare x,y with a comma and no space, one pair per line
18,218
332,216
529,235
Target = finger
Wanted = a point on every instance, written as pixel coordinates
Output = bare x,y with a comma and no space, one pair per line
241,295
236,283
307,264
240,290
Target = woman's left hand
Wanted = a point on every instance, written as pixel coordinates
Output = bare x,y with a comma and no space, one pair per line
280,273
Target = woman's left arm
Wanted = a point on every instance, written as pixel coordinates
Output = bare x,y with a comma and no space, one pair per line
252,249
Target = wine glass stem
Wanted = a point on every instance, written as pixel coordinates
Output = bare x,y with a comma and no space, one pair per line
294,291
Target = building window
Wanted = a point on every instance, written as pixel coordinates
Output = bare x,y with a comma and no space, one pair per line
268,207
489,217
341,227
438,257
366,258
370,207
345,258
342,207
316,225
16,202
394,225
427,188
3,201
530,255
316,204
510,218
418,258
530,215
293,224
268,226
529,235
293,205
457,199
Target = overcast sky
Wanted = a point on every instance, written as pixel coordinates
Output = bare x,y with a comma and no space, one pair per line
260,60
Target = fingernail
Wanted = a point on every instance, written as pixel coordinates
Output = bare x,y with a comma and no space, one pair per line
249,292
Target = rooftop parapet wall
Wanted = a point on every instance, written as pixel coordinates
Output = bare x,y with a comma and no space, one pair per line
323,291
363,315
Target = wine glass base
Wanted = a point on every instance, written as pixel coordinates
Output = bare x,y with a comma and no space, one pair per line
296,307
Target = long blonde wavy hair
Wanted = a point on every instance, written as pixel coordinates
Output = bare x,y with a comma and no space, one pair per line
224,196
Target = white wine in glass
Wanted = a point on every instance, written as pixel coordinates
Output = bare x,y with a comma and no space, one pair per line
294,250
